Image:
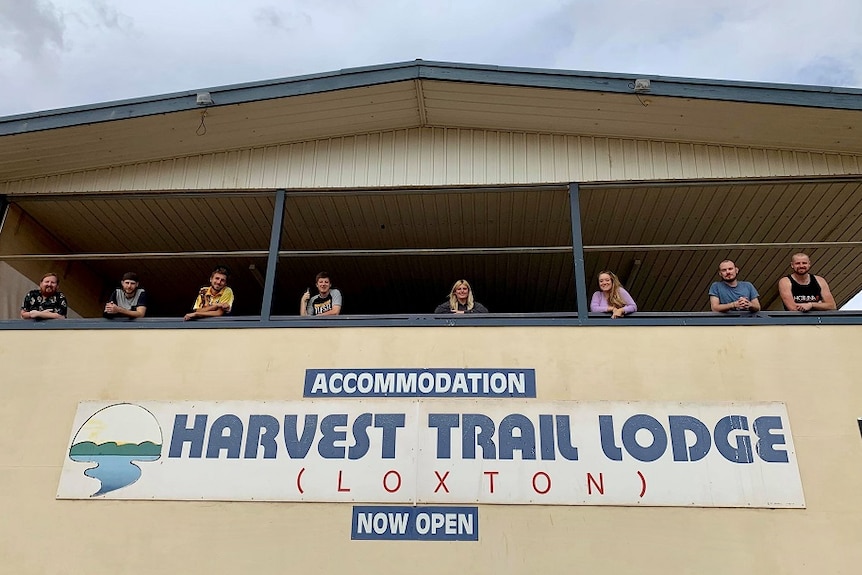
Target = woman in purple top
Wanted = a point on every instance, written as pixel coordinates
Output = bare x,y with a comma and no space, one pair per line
612,298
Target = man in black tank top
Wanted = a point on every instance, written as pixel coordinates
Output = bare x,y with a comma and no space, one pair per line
803,291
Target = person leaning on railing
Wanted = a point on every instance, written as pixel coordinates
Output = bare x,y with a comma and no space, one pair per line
731,294
612,297
129,300
45,302
215,299
461,300
804,291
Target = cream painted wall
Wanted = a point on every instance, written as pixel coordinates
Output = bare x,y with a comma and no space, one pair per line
45,373
444,157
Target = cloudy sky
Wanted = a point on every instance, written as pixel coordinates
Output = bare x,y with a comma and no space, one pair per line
59,53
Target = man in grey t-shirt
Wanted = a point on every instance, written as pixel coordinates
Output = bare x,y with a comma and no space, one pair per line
731,294
327,301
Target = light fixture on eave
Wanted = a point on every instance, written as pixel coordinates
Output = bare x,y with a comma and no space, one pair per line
641,86
203,99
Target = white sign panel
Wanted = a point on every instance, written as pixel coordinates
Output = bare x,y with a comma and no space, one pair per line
436,452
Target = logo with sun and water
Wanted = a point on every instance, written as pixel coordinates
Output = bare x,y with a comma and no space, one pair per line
114,438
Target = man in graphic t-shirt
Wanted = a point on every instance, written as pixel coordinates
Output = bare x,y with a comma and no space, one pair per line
804,291
327,301
215,299
46,302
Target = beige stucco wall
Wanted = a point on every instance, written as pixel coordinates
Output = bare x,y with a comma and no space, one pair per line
814,369
445,157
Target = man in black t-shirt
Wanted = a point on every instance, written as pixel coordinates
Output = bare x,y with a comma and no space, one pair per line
804,291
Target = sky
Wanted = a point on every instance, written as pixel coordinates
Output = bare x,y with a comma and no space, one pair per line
62,53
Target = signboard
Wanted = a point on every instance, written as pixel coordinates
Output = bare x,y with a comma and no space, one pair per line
415,523
444,452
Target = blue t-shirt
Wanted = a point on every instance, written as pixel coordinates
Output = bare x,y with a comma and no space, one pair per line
727,294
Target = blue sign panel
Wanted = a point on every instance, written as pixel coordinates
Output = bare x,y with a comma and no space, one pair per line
372,382
415,523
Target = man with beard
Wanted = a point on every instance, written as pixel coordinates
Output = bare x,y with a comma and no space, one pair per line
47,302
731,294
215,299
803,291
127,301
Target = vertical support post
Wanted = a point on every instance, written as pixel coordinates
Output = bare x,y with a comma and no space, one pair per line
578,252
272,258
4,206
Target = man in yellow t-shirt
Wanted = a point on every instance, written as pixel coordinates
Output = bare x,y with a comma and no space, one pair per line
215,299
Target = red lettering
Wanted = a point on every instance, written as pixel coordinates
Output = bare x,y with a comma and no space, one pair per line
299,480
547,480
441,482
491,475
386,483
643,483
345,489
600,485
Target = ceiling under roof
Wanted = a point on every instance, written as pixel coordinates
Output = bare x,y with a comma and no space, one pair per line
399,251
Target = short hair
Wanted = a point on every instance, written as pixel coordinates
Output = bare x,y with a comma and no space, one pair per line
321,276
802,254
731,261
49,274
220,269
130,276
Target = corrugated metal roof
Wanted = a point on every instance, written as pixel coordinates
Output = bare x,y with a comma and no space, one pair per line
430,94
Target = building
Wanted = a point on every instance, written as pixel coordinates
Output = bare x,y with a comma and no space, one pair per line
400,179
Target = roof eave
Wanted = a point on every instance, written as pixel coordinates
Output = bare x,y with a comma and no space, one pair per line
762,93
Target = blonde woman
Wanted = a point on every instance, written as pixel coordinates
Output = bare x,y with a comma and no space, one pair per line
461,300
612,298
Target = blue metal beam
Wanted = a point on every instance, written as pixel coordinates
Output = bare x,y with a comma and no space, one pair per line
272,258
578,253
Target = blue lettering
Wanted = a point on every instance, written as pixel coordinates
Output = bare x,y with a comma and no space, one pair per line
329,435
182,434
564,432
470,439
679,424
652,451
525,441
297,447
360,435
606,431
763,427
232,442
742,452
389,423
254,439
444,423
546,437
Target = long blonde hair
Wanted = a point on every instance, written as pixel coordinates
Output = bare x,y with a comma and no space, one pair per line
614,297
453,299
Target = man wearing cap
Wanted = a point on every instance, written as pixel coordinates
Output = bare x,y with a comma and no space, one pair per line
129,300
46,302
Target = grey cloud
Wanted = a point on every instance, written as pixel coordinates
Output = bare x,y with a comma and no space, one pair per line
30,28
